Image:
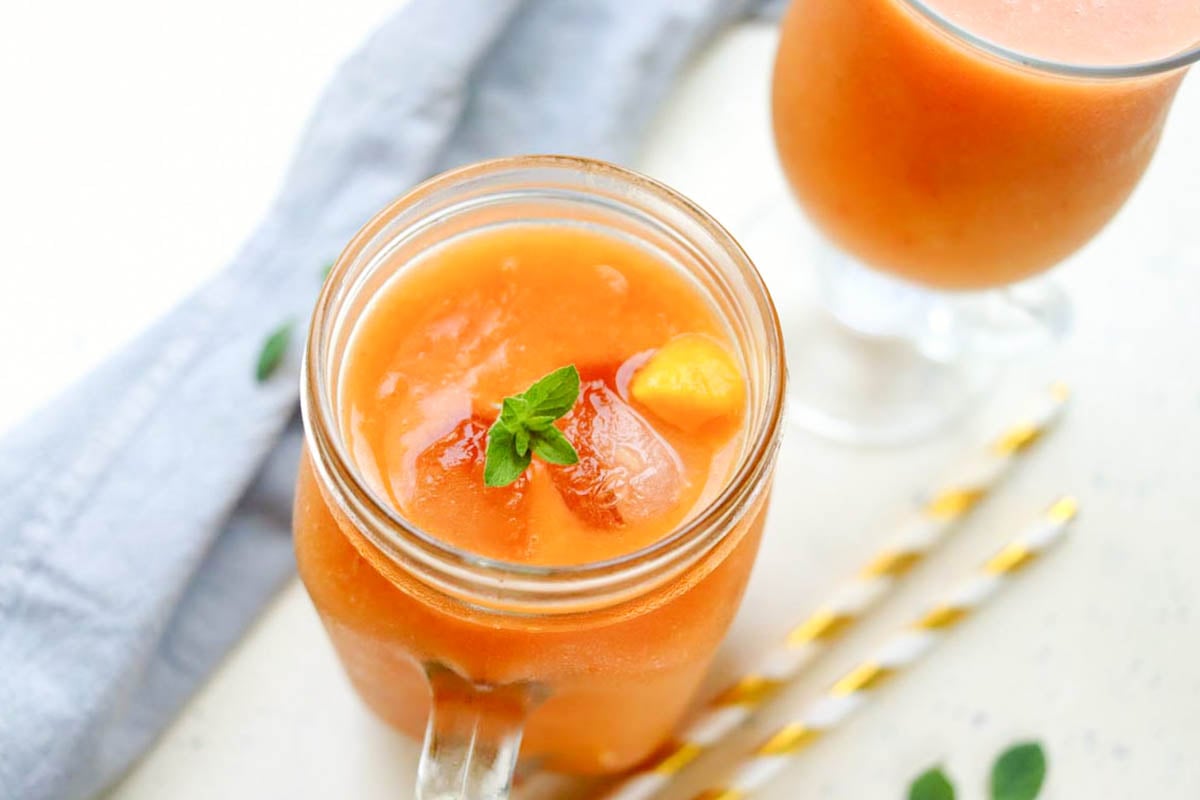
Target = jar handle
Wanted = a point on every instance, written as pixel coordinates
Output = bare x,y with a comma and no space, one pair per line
472,739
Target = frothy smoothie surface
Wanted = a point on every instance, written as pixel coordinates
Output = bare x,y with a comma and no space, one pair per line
485,315
1091,32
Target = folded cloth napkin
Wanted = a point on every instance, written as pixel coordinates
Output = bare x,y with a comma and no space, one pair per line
144,515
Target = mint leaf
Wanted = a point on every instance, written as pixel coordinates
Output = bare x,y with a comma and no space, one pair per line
272,352
526,427
1019,772
539,423
502,464
521,440
555,394
515,409
932,784
551,446
325,270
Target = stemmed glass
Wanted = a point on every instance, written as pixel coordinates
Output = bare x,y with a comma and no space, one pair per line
949,172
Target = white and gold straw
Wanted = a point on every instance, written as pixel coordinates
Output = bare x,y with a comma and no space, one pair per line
915,538
852,691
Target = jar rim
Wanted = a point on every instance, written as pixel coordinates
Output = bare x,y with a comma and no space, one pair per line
456,569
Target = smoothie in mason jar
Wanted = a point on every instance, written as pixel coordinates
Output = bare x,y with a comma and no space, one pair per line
657,425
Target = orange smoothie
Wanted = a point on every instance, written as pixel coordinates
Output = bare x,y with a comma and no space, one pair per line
930,158
476,319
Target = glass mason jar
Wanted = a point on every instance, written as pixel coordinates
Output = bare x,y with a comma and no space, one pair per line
584,668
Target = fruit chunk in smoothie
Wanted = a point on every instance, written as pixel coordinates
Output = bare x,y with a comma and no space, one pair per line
690,381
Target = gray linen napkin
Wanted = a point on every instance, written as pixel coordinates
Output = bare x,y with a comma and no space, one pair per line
144,515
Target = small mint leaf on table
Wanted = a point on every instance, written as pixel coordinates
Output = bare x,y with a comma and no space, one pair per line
932,784
1019,772
525,428
272,352
325,270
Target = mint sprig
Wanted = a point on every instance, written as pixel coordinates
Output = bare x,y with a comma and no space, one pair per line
525,428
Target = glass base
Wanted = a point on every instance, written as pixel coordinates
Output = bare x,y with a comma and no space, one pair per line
874,360
994,324
869,390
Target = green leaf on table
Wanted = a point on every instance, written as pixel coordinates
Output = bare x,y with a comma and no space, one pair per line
1019,772
932,784
272,352
325,270
526,428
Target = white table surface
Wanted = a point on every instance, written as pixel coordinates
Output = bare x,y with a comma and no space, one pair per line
156,133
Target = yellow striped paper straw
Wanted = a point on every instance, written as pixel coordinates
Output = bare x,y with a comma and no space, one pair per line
854,688
920,533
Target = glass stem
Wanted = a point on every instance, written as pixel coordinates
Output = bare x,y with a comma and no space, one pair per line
472,740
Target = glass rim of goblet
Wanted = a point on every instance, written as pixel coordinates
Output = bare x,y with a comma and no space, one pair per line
1066,69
